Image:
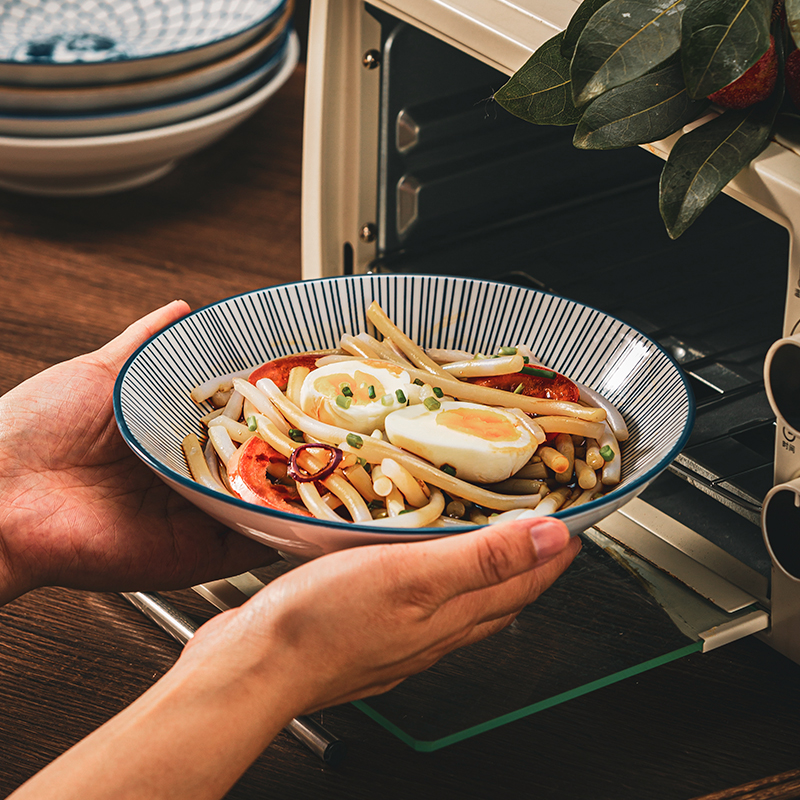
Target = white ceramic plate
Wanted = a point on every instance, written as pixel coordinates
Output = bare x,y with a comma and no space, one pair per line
81,42
128,120
154,410
100,164
76,99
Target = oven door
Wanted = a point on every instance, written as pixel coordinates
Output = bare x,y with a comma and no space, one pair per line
410,167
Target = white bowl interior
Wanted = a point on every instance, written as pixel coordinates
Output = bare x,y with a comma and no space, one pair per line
155,412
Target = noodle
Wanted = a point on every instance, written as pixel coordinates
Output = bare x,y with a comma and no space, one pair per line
343,476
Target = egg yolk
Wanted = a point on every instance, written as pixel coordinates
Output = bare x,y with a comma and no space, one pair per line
359,383
482,423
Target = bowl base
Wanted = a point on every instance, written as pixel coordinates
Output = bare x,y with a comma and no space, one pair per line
74,186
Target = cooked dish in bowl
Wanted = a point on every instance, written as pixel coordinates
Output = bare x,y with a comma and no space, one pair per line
349,411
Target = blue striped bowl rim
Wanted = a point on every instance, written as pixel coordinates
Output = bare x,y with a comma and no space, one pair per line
154,411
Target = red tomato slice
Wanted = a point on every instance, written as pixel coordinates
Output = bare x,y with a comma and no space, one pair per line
557,388
279,369
247,474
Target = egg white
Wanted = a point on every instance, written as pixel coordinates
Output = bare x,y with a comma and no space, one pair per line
364,414
483,444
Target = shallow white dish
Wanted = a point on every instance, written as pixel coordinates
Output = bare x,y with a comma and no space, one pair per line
76,99
101,164
154,410
152,116
80,42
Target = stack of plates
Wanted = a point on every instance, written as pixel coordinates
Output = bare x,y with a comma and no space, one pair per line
99,96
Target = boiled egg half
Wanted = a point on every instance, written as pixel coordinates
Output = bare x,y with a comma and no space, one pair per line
482,444
357,395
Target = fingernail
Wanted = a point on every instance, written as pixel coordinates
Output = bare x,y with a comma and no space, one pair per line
550,537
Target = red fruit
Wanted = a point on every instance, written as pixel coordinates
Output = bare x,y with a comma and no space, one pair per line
753,86
557,387
792,73
279,369
247,475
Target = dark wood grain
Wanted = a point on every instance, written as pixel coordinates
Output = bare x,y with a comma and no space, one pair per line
72,274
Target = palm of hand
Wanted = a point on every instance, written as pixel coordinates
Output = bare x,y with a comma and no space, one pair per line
86,512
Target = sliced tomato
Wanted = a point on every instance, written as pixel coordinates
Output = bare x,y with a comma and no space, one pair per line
278,369
247,475
559,387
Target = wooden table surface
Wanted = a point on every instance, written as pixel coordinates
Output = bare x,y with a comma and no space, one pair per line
73,272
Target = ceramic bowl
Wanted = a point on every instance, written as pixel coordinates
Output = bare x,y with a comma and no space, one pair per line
100,164
158,89
149,116
154,410
83,42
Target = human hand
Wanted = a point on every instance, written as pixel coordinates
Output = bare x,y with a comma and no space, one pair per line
78,508
357,622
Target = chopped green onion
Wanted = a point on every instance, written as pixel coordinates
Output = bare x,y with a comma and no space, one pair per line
342,401
419,382
252,425
387,399
448,469
346,390
542,373
371,392
404,511
519,389
526,359
401,398
508,351
438,392
431,403
354,440
361,461
607,453
296,434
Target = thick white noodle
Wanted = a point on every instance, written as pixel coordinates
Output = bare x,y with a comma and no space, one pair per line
219,383
405,482
223,444
503,365
419,518
611,469
261,402
374,451
196,462
238,432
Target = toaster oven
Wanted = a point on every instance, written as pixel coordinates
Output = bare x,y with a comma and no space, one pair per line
410,167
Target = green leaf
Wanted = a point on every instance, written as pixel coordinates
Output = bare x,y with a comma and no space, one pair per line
793,19
645,110
623,40
539,90
722,39
578,23
704,160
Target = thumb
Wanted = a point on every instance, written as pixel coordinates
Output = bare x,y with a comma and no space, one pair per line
117,351
492,555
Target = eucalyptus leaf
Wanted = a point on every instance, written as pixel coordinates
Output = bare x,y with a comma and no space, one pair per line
578,23
539,91
703,161
722,39
645,110
793,19
623,40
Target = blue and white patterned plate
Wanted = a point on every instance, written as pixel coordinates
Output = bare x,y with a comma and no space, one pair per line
154,116
154,411
80,42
